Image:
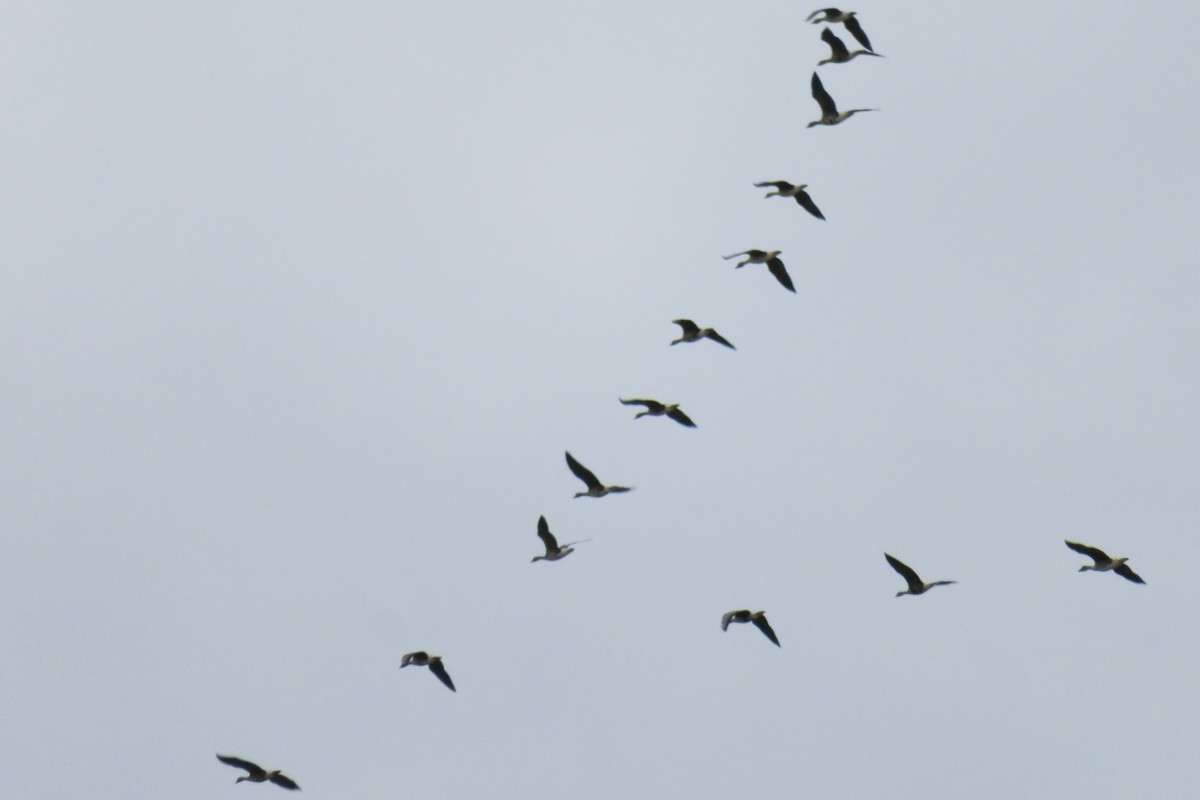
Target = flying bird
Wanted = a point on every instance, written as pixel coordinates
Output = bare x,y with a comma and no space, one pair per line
594,487
691,332
840,54
785,189
829,112
759,618
657,409
773,262
915,585
257,774
847,18
554,551
422,659
1104,563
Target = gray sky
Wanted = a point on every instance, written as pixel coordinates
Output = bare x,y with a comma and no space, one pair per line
301,303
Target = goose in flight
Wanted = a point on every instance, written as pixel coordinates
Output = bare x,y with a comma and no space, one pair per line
554,551
657,409
759,618
257,774
773,262
840,54
594,487
785,189
915,585
829,112
1104,563
422,659
847,18
693,333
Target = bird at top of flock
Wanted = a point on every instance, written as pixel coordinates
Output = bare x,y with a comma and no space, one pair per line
1105,563
759,618
915,584
657,409
795,190
840,54
773,262
691,332
829,111
422,659
594,487
847,18
554,550
257,774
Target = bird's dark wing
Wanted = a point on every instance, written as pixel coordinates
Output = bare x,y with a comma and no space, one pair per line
690,328
616,489
583,473
419,657
780,273
546,535
681,418
837,45
716,337
437,668
761,623
856,31
828,107
914,582
733,616
826,11
808,205
782,186
651,405
241,763
1094,553
284,781
1125,572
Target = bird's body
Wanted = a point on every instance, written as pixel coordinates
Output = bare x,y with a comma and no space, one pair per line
795,190
773,262
759,618
256,774
594,487
691,332
829,110
915,584
657,409
847,18
422,659
1105,563
554,551
840,54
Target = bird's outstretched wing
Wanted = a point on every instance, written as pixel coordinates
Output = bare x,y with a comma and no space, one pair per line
780,273
437,668
828,107
808,205
681,418
418,657
1125,572
690,328
857,32
546,536
760,622
840,53
651,405
716,337
583,473
910,576
284,781
829,12
782,186
241,763
1094,553
730,616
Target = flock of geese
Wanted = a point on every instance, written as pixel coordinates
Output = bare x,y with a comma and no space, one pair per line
691,332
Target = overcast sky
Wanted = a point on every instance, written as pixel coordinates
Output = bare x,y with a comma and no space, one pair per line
301,303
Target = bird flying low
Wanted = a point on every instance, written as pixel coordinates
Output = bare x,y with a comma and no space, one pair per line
691,332
554,551
915,585
1104,563
773,262
829,112
594,487
785,189
847,18
257,774
759,618
422,659
657,409
840,54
